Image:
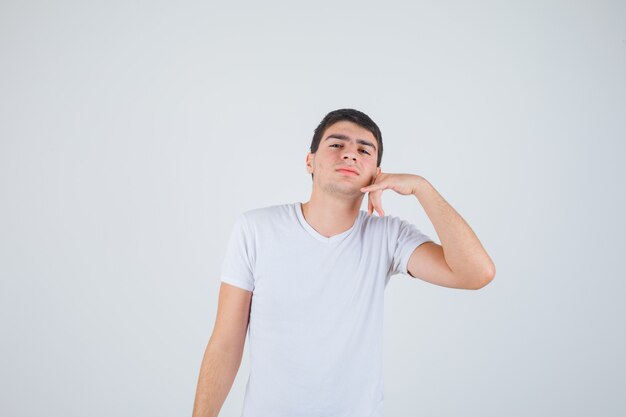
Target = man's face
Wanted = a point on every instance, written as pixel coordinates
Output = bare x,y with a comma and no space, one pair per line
344,145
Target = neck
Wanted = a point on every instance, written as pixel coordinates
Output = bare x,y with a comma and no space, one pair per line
331,216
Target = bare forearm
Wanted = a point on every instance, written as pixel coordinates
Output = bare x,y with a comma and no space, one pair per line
463,251
217,373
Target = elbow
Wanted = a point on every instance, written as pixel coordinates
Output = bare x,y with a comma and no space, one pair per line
484,280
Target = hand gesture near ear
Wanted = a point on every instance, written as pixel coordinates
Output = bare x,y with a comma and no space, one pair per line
403,184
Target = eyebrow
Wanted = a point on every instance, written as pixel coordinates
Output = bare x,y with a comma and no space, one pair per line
347,138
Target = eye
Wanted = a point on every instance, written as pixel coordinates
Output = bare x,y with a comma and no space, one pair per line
337,144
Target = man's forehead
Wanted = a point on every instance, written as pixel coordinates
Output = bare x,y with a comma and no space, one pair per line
351,130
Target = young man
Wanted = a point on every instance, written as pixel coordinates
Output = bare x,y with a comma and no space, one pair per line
309,279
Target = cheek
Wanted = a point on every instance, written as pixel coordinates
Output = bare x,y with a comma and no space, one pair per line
325,162
371,167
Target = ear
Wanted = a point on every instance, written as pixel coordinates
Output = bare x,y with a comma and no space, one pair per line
378,170
310,161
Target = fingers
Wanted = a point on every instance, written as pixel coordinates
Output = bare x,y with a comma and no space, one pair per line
374,203
374,193
378,204
374,187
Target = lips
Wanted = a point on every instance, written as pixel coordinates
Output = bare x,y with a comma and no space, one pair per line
348,169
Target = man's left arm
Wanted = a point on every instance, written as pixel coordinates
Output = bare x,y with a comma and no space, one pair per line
460,261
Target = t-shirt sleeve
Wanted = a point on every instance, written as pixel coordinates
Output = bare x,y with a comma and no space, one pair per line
405,238
238,264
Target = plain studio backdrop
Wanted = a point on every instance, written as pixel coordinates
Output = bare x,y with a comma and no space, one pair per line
133,134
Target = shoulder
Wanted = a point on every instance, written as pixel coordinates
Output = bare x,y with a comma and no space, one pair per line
267,214
265,211
386,223
392,228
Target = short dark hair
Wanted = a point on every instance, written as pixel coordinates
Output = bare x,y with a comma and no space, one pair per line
353,116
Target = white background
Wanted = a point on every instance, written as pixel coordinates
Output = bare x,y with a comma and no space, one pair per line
133,133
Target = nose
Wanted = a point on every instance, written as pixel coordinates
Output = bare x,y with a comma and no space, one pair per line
349,153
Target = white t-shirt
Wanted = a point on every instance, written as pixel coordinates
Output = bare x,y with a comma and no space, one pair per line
316,320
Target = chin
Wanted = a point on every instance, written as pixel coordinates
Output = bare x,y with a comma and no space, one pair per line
342,189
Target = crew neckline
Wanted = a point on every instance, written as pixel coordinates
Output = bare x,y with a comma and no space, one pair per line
314,233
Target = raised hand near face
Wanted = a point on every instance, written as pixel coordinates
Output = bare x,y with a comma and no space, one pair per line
403,184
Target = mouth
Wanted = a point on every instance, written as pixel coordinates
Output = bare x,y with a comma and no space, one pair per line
347,172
